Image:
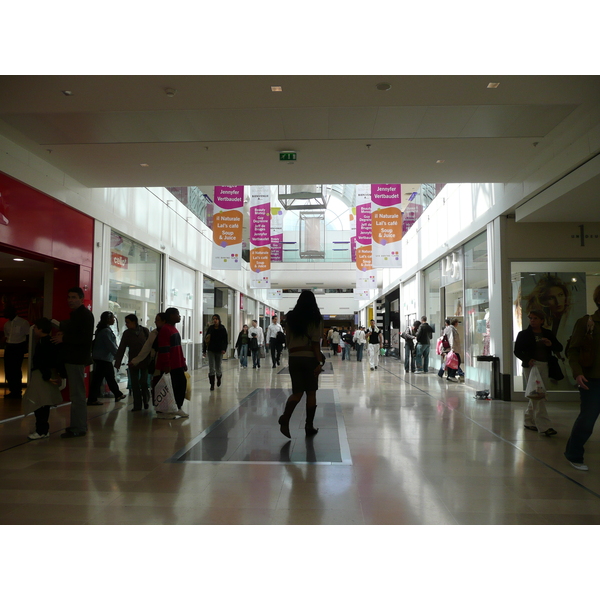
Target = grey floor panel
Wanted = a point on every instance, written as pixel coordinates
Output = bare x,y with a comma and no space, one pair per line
250,433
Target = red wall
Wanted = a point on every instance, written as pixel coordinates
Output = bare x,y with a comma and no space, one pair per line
36,223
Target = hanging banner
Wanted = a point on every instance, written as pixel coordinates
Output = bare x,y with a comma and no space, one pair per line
386,217
260,237
365,275
277,233
228,222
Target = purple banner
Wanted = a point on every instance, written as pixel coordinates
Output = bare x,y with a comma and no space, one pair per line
353,248
363,224
260,224
277,248
386,194
229,197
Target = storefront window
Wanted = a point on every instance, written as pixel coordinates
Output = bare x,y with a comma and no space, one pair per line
476,310
133,281
432,296
563,292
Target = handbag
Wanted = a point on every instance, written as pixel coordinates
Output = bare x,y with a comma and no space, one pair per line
262,351
554,371
451,360
535,386
188,386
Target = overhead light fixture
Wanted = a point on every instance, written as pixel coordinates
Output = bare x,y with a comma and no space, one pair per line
67,92
170,92
439,161
18,259
276,88
144,165
492,85
383,86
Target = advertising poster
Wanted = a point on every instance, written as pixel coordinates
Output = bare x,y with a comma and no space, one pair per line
365,275
277,233
386,218
561,297
260,236
228,222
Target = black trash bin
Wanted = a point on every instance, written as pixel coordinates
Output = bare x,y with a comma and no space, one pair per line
496,390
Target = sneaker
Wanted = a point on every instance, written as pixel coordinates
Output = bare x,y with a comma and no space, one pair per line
181,413
419,372
453,379
579,466
36,436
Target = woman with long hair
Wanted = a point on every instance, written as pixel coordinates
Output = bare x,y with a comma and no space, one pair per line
241,346
303,340
104,351
214,346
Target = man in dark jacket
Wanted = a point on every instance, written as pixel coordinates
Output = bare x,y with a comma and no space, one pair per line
76,335
424,335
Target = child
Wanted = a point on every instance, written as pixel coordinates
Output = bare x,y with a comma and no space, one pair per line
47,373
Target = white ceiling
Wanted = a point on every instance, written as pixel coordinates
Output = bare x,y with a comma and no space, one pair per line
228,130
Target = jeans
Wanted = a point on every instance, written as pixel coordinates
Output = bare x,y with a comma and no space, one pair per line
243,354
359,352
346,352
584,424
76,380
409,359
422,358
214,363
256,357
139,386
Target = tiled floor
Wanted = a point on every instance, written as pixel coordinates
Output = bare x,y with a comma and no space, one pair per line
414,450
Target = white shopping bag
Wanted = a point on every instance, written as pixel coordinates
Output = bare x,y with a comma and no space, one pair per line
535,386
164,399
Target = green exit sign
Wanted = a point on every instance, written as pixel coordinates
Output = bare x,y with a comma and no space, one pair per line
287,156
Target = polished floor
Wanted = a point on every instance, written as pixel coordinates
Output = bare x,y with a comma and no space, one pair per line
393,449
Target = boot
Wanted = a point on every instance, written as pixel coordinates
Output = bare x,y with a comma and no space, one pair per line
219,380
211,378
310,417
284,420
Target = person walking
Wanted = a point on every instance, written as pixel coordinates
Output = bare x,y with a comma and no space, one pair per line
347,339
104,351
272,331
214,346
241,346
534,346
335,341
149,351
359,339
170,358
76,336
303,340
453,337
375,339
409,335
257,331
133,339
424,335
16,332
47,375
587,379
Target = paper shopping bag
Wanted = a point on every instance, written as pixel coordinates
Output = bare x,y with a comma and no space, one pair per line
164,399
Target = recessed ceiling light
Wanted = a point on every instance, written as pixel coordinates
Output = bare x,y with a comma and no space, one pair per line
383,86
493,85
276,88
67,92
439,161
144,165
18,259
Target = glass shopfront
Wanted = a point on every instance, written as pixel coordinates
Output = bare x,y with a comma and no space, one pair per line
563,292
432,297
134,280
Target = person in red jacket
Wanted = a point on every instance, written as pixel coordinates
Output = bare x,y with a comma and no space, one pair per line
170,357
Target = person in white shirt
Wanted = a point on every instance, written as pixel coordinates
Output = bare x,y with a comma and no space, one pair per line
16,330
375,339
260,336
359,340
272,331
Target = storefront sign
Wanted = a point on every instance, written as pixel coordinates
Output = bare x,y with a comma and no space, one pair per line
118,260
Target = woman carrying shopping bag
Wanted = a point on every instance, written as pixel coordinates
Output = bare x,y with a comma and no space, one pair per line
534,347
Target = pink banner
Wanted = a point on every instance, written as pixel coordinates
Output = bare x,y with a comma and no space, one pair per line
386,194
260,224
277,248
363,224
228,197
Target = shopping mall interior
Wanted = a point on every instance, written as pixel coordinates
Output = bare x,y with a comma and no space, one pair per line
108,182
